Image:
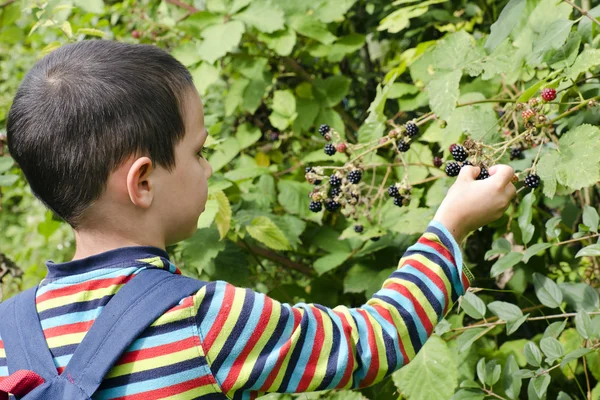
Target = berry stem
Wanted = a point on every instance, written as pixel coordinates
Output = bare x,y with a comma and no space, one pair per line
569,112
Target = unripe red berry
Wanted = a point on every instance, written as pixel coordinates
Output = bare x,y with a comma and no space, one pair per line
437,162
527,114
135,34
341,147
549,94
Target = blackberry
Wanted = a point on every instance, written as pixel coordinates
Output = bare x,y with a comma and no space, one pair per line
329,149
452,169
398,201
358,228
335,191
437,162
403,146
335,180
393,191
483,174
465,163
355,176
411,129
331,205
323,129
515,153
548,94
318,182
532,181
459,153
309,170
315,206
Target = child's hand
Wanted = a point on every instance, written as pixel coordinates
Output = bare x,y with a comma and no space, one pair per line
471,204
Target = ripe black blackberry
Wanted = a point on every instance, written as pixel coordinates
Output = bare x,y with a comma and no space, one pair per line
331,205
329,149
398,201
483,174
358,228
393,191
315,206
354,176
403,146
309,169
459,153
515,153
335,191
452,169
411,129
532,181
323,129
467,162
335,180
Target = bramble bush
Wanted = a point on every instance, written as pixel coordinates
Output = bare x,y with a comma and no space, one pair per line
336,128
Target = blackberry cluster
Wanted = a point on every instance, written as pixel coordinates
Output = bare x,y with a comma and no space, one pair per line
516,153
459,153
331,205
315,206
393,191
335,180
358,228
398,201
403,146
452,169
335,191
323,129
412,130
329,149
483,174
355,176
533,181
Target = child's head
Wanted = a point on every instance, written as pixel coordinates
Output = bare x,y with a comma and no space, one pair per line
108,135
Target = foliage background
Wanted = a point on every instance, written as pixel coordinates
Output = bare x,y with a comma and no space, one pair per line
271,71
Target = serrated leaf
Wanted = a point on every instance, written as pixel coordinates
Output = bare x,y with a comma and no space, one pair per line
330,261
208,215
590,218
525,216
443,92
220,40
589,251
466,340
400,19
554,37
505,311
508,19
332,90
247,135
547,291
293,196
533,355
578,163
505,263
281,42
265,18
223,217
431,375
266,232
473,305
588,59
201,248
312,28
533,250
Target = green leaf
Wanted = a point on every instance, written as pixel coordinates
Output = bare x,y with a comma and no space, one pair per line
592,250
493,371
506,262
265,18
443,92
535,249
90,6
247,135
511,384
574,355
590,218
552,348
204,76
284,102
508,19
312,28
223,217
330,261
580,296
481,371
330,11
220,40
91,32
266,232
201,248
512,326
552,229
359,278
500,246
293,197
540,384
547,291
578,163
281,42
588,59
400,19
332,90
6,163
431,375
555,329
466,340
564,57
8,179
208,215
468,394
533,354
583,323
473,305
525,216
554,37
505,311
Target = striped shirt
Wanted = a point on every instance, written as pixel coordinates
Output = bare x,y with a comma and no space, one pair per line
225,342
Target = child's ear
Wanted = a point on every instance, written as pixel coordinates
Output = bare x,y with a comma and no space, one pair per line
139,185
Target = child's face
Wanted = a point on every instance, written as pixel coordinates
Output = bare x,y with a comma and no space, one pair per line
182,197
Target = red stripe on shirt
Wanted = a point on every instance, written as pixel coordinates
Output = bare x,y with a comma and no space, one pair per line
77,327
438,247
374,366
157,351
226,304
82,287
437,281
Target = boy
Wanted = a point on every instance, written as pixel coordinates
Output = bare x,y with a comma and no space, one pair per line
109,136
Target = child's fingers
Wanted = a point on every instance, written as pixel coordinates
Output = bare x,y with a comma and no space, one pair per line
510,191
468,173
502,173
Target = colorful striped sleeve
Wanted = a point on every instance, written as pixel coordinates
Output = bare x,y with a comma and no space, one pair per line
256,345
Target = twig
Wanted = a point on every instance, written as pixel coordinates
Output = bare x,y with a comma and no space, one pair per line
278,258
490,393
582,11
